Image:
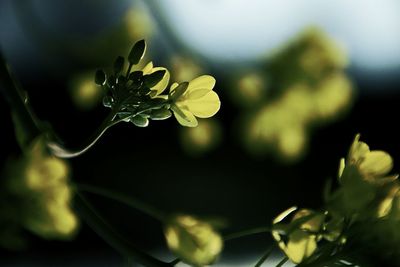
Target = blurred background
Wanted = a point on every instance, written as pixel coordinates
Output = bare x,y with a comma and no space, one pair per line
297,80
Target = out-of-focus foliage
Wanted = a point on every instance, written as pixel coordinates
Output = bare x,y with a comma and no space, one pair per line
84,93
139,23
194,241
184,68
37,186
250,89
363,211
201,139
306,87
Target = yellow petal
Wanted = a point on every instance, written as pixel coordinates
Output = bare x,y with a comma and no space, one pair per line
376,163
202,82
172,88
342,165
301,245
205,106
358,150
184,116
161,85
147,69
284,214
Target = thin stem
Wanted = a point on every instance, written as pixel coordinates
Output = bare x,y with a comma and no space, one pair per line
252,231
264,257
175,262
103,229
18,103
62,152
128,70
282,262
146,209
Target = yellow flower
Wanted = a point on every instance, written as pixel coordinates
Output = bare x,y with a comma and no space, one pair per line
194,241
373,165
362,175
41,182
301,236
161,85
198,100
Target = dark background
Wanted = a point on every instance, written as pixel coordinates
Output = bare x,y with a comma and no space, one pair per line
150,165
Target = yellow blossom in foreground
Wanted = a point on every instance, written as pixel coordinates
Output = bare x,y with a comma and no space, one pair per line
192,240
301,234
161,85
198,100
373,165
362,176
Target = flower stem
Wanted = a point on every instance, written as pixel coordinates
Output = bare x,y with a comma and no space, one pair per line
264,257
282,262
18,103
62,152
247,232
103,229
146,209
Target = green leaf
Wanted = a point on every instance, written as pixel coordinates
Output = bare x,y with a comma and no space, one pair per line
160,114
179,91
100,77
118,64
154,78
140,121
108,101
136,75
111,80
137,52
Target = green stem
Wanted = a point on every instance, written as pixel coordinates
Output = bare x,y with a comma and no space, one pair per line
62,152
146,209
264,257
282,262
103,229
244,233
18,103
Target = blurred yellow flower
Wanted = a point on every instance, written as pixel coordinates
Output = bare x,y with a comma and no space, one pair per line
198,100
201,139
85,93
161,85
41,183
192,240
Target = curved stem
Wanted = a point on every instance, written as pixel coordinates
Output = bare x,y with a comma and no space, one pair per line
18,104
103,229
62,152
247,232
150,211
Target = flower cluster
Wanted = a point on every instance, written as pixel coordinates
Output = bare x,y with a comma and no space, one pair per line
139,96
305,86
367,195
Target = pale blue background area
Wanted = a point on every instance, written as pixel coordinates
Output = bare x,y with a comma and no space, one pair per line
243,29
